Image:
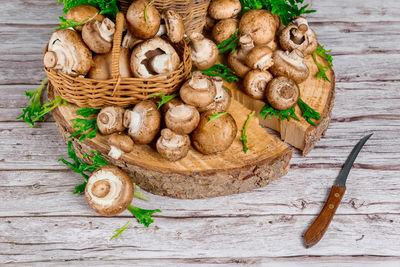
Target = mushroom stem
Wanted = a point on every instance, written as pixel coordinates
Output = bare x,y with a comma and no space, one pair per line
246,44
115,152
161,63
133,121
130,41
162,30
196,39
106,29
199,81
298,34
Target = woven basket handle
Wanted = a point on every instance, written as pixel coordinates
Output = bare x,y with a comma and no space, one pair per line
116,50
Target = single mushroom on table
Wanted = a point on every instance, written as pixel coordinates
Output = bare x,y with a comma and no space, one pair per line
174,25
143,19
291,65
109,191
215,136
237,60
67,52
224,29
182,119
83,13
260,24
172,146
143,122
255,83
260,57
204,52
98,36
120,143
198,91
282,93
152,57
110,120
222,99
224,9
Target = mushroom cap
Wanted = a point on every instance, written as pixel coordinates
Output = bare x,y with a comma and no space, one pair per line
182,119
222,99
172,146
309,35
204,52
224,29
291,65
110,120
82,13
174,25
143,122
255,83
260,57
109,190
240,68
144,53
172,103
224,9
136,21
121,141
129,41
282,93
215,136
96,35
198,91
260,24
210,23
68,53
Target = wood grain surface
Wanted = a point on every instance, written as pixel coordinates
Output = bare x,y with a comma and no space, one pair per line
43,224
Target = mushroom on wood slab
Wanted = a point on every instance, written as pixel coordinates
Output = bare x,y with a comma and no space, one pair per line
110,120
120,143
173,146
282,93
198,91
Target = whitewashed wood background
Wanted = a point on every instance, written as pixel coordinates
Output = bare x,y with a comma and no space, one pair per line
43,224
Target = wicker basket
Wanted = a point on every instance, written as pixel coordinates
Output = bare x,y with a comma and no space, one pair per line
119,91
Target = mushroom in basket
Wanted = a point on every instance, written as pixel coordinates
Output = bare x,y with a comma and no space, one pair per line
143,19
98,36
83,13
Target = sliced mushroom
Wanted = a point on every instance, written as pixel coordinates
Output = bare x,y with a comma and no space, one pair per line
260,24
110,120
143,122
98,36
102,65
224,9
224,29
182,119
119,144
198,91
154,56
67,52
260,57
204,52
255,83
109,190
215,136
291,65
237,60
282,93
222,99
174,25
143,19
83,13
170,104
172,146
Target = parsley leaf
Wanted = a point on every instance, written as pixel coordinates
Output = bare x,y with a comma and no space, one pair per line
119,231
164,99
108,8
146,18
70,23
137,194
322,69
269,111
244,132
308,112
215,116
222,71
324,53
143,216
87,128
35,111
229,44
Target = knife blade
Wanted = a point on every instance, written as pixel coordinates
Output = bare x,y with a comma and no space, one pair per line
318,228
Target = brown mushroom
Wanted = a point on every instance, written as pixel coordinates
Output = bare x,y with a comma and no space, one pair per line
282,93
67,52
172,146
237,60
110,120
291,65
222,99
174,25
210,23
152,57
109,191
102,65
170,104
260,57
260,24
119,144
255,83
143,122
215,136
224,9
98,36
198,91
204,52
130,41
182,119
83,13
143,19
224,29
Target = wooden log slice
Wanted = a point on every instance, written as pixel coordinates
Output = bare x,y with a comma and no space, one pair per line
317,93
197,175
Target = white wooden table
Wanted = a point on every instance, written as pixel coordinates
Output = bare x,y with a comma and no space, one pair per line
43,223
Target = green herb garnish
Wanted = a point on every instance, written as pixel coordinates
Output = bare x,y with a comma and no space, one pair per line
222,71
145,10
35,111
322,69
143,216
244,132
70,23
215,116
108,8
308,113
137,194
119,231
164,99
269,111
87,128
229,44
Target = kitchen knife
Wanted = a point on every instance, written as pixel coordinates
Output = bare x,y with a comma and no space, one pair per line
321,223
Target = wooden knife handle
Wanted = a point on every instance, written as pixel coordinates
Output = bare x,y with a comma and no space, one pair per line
321,223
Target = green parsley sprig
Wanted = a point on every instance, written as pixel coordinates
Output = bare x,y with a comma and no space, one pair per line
323,69
35,111
108,8
146,18
230,44
143,216
164,99
269,111
244,132
215,116
119,231
138,194
308,113
86,127
222,71
70,23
